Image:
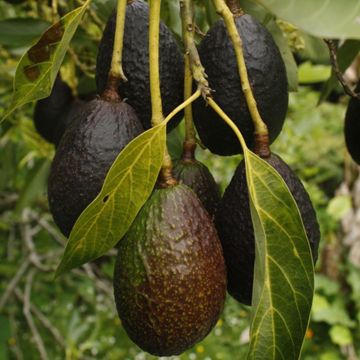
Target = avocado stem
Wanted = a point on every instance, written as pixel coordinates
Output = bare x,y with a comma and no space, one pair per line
234,7
261,130
116,69
166,177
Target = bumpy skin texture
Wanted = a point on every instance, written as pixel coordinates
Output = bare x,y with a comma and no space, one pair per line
234,225
352,127
86,151
170,277
64,121
197,176
267,77
136,64
49,111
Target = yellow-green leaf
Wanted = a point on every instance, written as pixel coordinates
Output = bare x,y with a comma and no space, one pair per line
38,68
127,186
284,274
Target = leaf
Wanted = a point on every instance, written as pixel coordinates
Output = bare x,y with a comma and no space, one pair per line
38,68
17,32
331,18
127,186
341,335
309,73
284,273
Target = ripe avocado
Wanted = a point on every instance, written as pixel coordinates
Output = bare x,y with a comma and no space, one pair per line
85,153
197,176
49,111
267,76
170,277
352,127
136,64
234,225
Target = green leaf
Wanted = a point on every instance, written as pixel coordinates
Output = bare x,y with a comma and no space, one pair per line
309,73
331,18
284,272
341,335
127,186
18,32
38,68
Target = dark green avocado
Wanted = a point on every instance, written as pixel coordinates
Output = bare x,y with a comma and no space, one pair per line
136,64
49,111
352,127
197,176
267,76
85,153
170,277
234,225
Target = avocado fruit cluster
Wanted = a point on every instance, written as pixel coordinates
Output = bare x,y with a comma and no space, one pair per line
268,80
235,228
89,146
170,277
135,64
352,127
197,176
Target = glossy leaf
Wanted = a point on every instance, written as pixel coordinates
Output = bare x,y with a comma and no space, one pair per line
127,186
330,18
284,273
38,68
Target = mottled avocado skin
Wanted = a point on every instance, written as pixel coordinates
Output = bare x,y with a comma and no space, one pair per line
267,77
136,64
352,127
85,153
49,111
170,277
234,225
197,176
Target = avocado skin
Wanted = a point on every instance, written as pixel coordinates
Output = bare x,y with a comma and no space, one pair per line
234,225
85,153
267,76
49,111
197,176
170,277
71,112
136,64
352,127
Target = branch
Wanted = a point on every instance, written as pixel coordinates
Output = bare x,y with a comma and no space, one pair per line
335,65
27,313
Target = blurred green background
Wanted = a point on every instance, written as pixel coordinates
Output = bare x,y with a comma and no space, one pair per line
74,317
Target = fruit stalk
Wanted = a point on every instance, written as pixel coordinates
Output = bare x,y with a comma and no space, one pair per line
198,71
116,70
261,131
166,177
187,16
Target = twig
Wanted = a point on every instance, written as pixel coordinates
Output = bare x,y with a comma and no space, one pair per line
27,313
335,65
13,283
43,319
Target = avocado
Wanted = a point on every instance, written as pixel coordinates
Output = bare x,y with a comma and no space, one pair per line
69,114
89,146
267,76
235,229
352,127
170,277
136,64
197,176
49,111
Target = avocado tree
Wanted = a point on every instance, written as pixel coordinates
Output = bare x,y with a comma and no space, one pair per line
114,181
